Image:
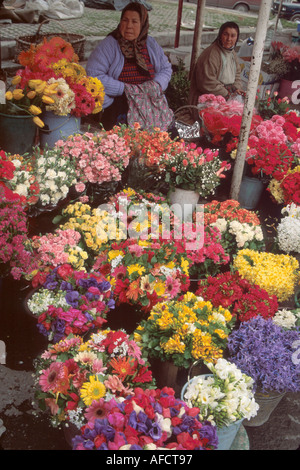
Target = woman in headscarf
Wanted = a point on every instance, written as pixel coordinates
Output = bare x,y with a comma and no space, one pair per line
128,55
217,70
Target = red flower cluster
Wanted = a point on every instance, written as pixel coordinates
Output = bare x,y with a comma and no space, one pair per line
271,159
243,299
291,188
230,210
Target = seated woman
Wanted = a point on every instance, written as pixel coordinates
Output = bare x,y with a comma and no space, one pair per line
217,70
125,59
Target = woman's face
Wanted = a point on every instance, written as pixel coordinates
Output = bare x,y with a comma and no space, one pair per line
229,38
130,25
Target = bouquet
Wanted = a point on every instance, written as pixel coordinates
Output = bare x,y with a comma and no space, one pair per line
71,302
98,158
264,351
243,299
27,100
286,190
74,379
221,120
54,249
145,169
185,330
224,396
288,229
52,65
147,420
18,176
287,319
270,106
285,60
239,227
55,175
145,272
195,169
269,154
16,257
277,274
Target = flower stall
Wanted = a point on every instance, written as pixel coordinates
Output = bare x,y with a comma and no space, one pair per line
131,296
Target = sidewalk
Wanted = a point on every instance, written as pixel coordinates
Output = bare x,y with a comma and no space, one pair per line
96,24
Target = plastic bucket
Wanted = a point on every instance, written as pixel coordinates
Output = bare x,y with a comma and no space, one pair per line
57,128
17,133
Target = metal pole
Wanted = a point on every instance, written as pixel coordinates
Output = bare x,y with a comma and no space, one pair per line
255,66
199,21
178,25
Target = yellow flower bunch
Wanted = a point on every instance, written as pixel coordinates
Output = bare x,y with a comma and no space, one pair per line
185,331
276,273
97,227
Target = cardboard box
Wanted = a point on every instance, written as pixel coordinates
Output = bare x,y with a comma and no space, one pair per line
265,81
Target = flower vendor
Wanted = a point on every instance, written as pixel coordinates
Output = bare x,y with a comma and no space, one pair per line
126,60
217,70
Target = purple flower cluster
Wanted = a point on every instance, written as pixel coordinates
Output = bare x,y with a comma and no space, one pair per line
266,352
147,420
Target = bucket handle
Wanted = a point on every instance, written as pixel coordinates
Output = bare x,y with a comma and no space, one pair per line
37,34
48,131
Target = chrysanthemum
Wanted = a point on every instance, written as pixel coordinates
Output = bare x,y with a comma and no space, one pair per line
86,357
92,390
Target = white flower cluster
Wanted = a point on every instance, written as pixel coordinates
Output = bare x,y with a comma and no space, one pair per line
55,175
286,318
243,233
41,299
224,397
20,183
288,230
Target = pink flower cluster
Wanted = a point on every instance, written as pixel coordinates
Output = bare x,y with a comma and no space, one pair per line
51,249
99,158
15,259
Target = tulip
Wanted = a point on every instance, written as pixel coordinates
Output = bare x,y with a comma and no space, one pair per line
34,83
34,110
18,94
51,89
16,80
47,99
9,95
31,94
38,121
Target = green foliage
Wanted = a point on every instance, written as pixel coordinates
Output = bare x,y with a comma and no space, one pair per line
178,90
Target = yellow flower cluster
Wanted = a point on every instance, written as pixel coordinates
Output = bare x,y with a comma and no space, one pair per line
277,274
191,327
96,226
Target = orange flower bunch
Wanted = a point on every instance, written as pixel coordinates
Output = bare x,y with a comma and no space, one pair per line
47,52
229,209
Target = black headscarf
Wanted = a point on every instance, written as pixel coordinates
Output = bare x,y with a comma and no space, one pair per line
133,49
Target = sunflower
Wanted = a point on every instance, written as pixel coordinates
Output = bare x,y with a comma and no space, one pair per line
92,390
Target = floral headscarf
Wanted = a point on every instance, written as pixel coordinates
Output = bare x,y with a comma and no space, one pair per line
133,49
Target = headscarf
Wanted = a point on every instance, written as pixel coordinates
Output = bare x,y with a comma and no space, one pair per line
228,24
133,49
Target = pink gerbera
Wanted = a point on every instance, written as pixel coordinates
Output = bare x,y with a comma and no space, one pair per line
50,378
172,287
99,409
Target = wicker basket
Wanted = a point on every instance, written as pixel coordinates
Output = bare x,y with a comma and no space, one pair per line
76,40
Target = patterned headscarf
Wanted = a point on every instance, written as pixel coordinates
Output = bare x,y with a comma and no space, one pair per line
133,49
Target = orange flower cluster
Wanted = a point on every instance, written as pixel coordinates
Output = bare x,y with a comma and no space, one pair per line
47,52
229,209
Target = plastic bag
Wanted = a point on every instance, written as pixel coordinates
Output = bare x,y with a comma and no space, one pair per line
57,9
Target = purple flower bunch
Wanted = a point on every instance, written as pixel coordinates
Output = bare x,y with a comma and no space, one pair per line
267,353
147,420
87,298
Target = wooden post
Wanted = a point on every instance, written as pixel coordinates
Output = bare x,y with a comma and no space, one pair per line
178,25
199,21
255,66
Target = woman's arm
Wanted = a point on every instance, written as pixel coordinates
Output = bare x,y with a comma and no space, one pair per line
106,63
